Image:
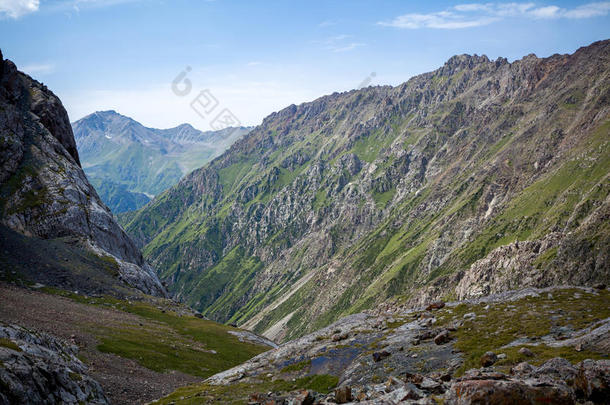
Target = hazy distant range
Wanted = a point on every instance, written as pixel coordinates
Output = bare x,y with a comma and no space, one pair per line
128,163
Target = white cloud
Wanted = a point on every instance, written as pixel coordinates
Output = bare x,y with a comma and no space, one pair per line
348,47
441,20
17,8
478,14
510,9
37,69
472,7
545,12
327,23
589,10
339,43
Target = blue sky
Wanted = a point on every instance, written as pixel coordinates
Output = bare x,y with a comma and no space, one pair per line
256,57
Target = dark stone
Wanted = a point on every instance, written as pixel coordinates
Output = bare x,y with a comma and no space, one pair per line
488,359
593,381
435,305
378,356
442,337
526,352
414,378
343,395
428,334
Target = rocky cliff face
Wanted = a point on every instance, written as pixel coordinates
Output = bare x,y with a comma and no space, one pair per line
43,190
38,368
482,175
509,348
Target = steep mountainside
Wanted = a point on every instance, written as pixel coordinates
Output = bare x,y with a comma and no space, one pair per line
77,323
127,162
45,196
43,370
137,349
475,178
532,346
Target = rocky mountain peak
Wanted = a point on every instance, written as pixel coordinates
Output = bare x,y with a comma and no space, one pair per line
461,62
42,102
384,192
44,193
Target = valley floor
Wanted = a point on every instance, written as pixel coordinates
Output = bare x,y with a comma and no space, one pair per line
159,347
124,380
549,344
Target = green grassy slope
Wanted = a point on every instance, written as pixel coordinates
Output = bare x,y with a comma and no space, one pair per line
383,193
172,341
502,327
124,159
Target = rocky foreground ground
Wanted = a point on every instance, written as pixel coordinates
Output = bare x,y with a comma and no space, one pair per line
527,346
37,368
136,350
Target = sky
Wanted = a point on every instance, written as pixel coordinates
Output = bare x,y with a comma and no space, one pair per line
213,63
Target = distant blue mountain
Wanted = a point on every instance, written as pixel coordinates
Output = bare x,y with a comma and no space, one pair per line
129,163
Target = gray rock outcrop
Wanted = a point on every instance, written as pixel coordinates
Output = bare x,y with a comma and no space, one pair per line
36,368
44,192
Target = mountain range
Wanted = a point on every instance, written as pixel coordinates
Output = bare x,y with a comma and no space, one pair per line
442,241
48,206
83,316
129,163
481,176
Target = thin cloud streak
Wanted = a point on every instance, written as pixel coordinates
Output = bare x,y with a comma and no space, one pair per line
348,47
38,68
17,8
480,14
340,43
327,23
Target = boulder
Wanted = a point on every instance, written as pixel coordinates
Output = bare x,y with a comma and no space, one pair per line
593,381
507,392
522,369
435,305
37,368
442,337
488,359
557,369
378,356
526,352
343,395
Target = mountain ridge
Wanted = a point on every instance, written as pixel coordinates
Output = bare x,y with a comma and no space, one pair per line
394,193
46,197
84,318
129,163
